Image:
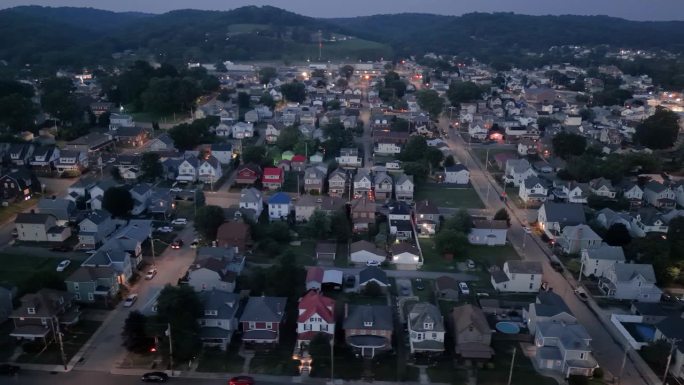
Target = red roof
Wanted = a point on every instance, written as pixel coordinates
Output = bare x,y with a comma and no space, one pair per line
314,274
299,158
316,303
273,171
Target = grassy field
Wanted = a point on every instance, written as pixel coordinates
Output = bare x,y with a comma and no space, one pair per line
73,341
15,208
465,198
18,269
482,255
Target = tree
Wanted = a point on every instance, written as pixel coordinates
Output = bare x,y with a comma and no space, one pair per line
220,67
319,350
347,71
658,131
400,125
279,231
419,170
179,307
414,150
372,289
449,161
502,215
452,242
566,145
188,136
461,92
254,154
318,226
430,101
333,105
243,100
208,220
294,92
267,100
150,166
17,112
675,236
266,74
617,235
434,157
656,353
135,338
461,222
340,226
118,201
168,95
288,138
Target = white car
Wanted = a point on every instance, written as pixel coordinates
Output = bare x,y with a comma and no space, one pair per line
179,222
176,189
372,262
470,263
63,265
464,288
130,300
527,230
150,274
165,229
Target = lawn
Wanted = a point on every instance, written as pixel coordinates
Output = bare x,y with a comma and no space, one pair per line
465,198
482,255
394,369
185,209
481,154
290,182
19,269
427,294
432,261
304,253
15,208
277,362
73,341
217,361
163,119
347,366
445,372
523,371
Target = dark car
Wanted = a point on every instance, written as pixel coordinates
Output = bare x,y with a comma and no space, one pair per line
241,380
9,370
155,377
177,244
350,281
61,248
557,266
419,284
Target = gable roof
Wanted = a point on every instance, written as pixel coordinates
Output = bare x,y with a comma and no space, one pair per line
524,267
466,315
373,273
426,206
90,274
264,309
316,303
380,317
223,302
580,232
33,218
607,253
564,213
550,304
629,271
364,245
422,313
279,198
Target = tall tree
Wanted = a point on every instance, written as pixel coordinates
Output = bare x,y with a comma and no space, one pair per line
414,150
135,337
430,101
288,138
254,154
318,226
675,236
566,144
461,92
340,226
347,71
452,242
266,74
208,220
461,222
118,201
294,92
659,130
179,307
150,166
502,215
617,235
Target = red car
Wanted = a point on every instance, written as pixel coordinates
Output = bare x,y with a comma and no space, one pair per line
241,380
177,244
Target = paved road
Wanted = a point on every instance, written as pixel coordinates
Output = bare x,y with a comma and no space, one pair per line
412,273
100,378
607,352
105,349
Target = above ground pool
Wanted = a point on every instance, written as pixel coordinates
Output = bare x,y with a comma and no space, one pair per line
507,327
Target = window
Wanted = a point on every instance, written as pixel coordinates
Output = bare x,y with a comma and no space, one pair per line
531,285
43,321
91,297
434,336
77,297
76,286
269,325
324,327
31,310
251,325
582,356
211,312
427,326
368,324
532,277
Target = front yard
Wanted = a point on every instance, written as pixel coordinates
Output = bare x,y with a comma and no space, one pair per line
442,196
482,255
15,208
74,339
217,361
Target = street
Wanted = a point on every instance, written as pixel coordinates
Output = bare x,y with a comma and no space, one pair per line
606,351
101,378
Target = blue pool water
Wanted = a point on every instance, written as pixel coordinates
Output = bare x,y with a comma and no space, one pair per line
507,327
646,332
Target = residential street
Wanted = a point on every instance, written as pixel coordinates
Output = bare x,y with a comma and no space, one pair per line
607,352
98,377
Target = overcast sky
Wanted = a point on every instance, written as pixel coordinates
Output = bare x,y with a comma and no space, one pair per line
629,9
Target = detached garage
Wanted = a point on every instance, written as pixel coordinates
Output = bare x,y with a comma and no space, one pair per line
364,251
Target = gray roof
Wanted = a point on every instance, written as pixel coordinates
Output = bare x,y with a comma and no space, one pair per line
564,213
224,302
98,216
573,336
32,218
580,232
628,271
362,173
379,317
532,181
372,272
264,309
106,257
422,313
524,267
250,195
56,206
607,253
458,167
550,304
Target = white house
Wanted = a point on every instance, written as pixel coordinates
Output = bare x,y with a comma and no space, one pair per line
349,157
659,195
488,232
279,206
209,170
222,152
565,348
363,251
316,315
406,256
533,190
403,188
575,238
517,170
222,130
187,170
457,173
272,133
425,329
386,148
362,183
634,281
251,199
553,217
599,261
242,130
518,277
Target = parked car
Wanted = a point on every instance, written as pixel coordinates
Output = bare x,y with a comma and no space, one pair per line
63,265
9,370
177,244
372,262
176,189
194,244
527,230
130,300
241,380
470,263
419,284
350,281
179,222
150,274
165,229
155,377
556,266
464,288
581,294
61,248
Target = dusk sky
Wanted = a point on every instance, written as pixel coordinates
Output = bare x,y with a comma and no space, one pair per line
628,9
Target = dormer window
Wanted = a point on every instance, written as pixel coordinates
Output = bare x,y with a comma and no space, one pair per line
210,312
368,324
31,310
428,325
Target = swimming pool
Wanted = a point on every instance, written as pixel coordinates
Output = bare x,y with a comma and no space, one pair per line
507,327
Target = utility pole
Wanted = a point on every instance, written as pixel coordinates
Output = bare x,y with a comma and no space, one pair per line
168,332
55,320
332,359
669,358
154,257
510,372
622,367
579,276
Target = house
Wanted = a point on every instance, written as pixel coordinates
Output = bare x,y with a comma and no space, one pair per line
273,178
425,329
314,278
533,190
131,136
94,228
373,274
279,206
599,260
671,330
446,288
214,273
383,186
313,180
261,320
349,158
298,162
252,199
316,315
457,173
564,348
326,251
40,315
575,238
548,306
223,152
488,232
518,277
517,170
363,183
471,332
363,251
368,329
527,147
553,217
659,195
273,132
19,185
406,256
634,281
188,169
219,322
20,153
242,130
209,170
32,227
426,218
603,187
362,213
161,203
306,205
162,143
98,285
247,174
337,183
96,193
130,238
234,234
403,188
119,260
62,209
70,161
44,157
650,220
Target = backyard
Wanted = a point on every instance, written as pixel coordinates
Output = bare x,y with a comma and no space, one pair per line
19,269
74,339
523,371
465,198
482,255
